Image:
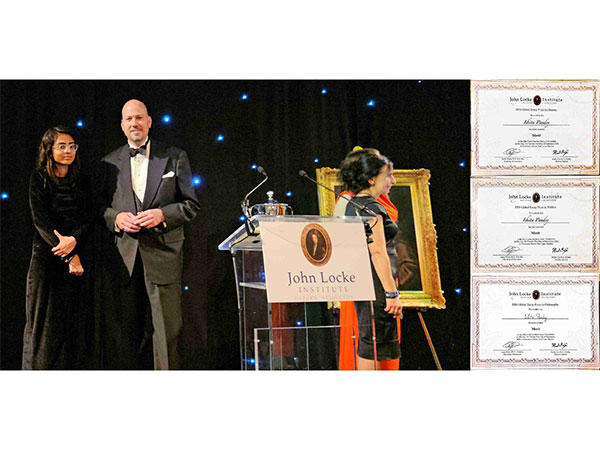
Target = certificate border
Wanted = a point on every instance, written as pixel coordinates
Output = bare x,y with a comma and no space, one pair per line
582,363
594,266
573,169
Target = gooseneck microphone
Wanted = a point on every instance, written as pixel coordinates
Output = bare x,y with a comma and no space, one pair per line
368,228
358,206
246,203
262,171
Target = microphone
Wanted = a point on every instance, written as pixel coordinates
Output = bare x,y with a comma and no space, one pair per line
246,203
262,171
358,206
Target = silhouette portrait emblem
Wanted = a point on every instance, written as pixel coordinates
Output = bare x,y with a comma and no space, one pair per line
316,244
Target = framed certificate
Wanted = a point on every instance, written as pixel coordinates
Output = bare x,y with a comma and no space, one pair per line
534,322
534,224
534,127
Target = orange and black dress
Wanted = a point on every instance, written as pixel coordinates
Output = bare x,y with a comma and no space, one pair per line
388,346
348,320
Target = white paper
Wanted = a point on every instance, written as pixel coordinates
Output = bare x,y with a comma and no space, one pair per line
536,127
534,224
534,322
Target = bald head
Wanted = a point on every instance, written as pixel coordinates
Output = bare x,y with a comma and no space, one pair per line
135,122
133,105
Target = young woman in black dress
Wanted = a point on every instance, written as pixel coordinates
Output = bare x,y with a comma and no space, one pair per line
60,200
369,175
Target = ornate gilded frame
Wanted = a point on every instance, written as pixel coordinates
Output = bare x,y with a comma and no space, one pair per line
431,295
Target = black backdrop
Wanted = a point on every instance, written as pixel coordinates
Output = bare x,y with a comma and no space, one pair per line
283,126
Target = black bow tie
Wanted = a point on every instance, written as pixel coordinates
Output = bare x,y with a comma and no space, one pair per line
134,151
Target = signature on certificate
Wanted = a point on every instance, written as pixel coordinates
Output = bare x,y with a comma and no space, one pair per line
536,316
512,151
559,345
510,249
511,344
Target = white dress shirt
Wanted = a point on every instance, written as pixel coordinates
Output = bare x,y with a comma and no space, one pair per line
139,171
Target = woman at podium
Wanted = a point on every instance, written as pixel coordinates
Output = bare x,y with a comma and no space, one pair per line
368,175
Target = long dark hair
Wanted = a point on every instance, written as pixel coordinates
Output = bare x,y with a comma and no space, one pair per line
45,159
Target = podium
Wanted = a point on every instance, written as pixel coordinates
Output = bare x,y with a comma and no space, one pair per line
281,336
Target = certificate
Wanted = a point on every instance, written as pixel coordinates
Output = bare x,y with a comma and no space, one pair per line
534,224
534,127
534,322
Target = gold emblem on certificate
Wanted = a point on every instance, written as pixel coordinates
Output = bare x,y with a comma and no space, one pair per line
534,127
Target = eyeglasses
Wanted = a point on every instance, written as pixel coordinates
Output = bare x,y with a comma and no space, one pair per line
64,147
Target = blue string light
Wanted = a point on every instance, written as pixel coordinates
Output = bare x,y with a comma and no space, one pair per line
299,323
324,91
80,123
244,96
186,288
220,137
371,103
288,193
166,118
4,196
462,164
316,160
465,229
252,361
242,218
419,81
254,166
197,181
458,290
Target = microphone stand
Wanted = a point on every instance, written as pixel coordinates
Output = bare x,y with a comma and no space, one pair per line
246,203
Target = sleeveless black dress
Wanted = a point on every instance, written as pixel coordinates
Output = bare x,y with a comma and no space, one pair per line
386,329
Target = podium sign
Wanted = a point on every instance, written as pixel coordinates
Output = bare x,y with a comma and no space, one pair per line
315,259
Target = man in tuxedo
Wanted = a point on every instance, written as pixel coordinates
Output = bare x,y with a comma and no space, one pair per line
148,195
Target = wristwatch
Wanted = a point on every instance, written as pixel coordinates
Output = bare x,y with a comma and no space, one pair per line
392,294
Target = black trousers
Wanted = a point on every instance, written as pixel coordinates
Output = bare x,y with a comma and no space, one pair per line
142,323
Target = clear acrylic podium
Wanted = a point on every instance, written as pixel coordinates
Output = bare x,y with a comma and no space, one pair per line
279,336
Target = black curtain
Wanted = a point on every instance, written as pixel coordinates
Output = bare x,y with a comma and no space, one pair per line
283,126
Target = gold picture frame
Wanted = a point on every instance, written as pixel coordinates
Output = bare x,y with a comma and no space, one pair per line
410,194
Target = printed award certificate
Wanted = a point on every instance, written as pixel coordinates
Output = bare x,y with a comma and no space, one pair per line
534,127
534,322
534,224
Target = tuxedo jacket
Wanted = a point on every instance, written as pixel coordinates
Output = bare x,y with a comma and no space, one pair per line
168,187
